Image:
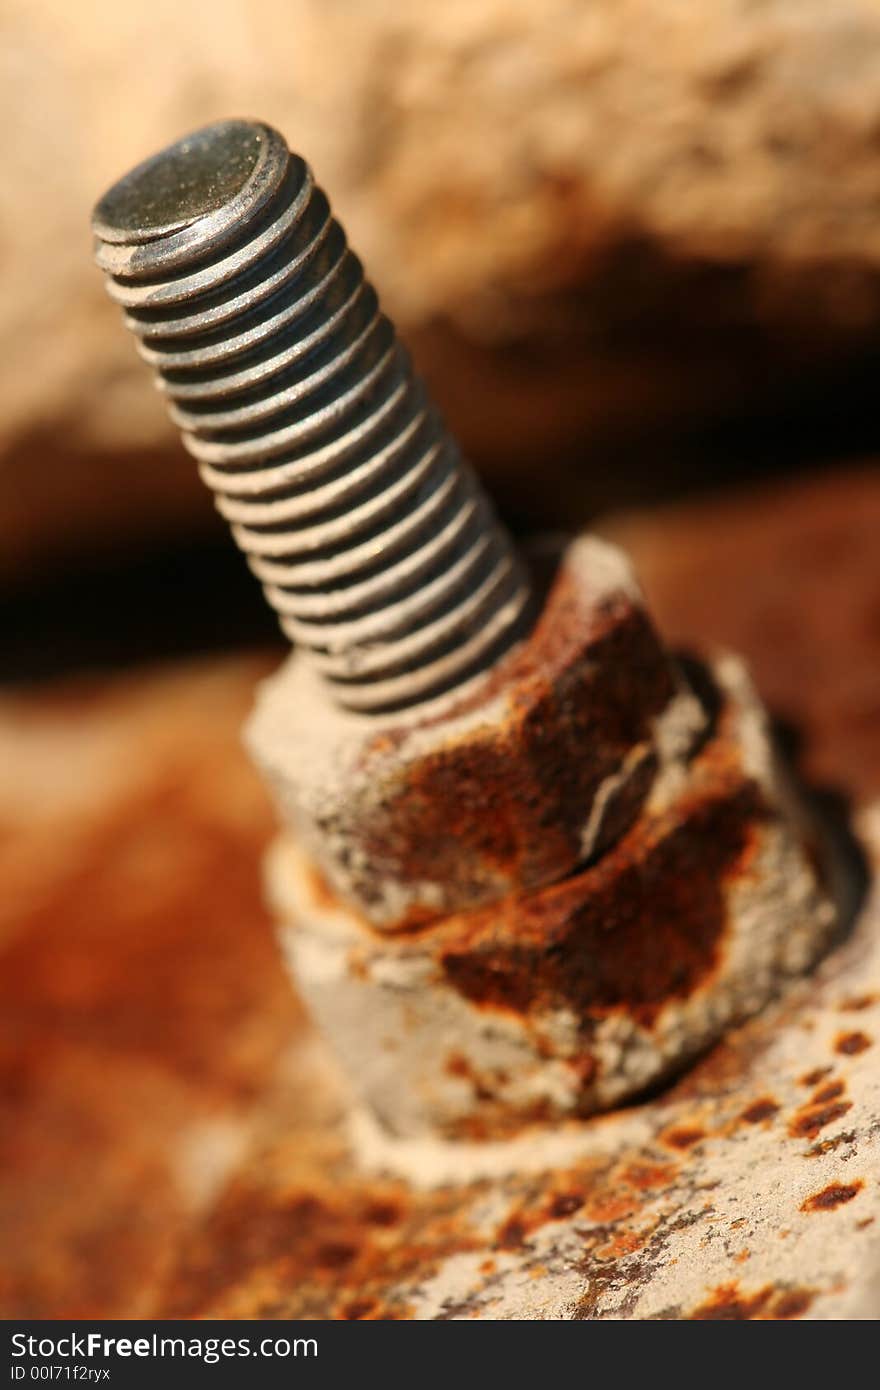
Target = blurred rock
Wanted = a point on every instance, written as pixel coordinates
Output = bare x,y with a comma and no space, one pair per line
606,225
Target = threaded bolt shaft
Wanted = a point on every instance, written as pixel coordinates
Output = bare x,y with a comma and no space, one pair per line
372,538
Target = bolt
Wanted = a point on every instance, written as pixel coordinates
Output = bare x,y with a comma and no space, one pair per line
371,535
549,893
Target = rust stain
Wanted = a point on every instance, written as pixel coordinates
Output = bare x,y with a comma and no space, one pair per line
829,1092
835,1195
642,926
316,1251
648,1177
529,1217
761,1110
358,1309
564,1204
620,1245
808,1123
793,1304
141,981
684,1137
858,1003
580,693
851,1044
512,1234
382,1213
727,1303
812,1078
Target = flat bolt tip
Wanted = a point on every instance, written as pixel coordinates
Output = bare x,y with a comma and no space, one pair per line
186,181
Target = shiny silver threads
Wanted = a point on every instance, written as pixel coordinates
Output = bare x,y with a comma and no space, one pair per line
371,536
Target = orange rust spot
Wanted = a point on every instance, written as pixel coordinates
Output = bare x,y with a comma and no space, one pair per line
727,1304
851,1044
611,1208
564,1204
835,1195
808,1123
760,1110
512,1234
640,927
829,1092
524,1221
684,1137
335,1254
580,692
488,1267
457,1065
382,1213
621,1244
648,1177
305,1249
793,1304
864,1223
857,1004
358,1308
742,1257
812,1078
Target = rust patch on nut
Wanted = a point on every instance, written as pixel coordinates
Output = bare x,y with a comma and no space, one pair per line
642,926
507,804
851,1044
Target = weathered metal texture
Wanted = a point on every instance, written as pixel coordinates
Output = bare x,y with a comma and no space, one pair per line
139,979
546,761
578,995
748,1191
371,535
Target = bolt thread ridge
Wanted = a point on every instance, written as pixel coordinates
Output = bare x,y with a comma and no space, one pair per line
371,535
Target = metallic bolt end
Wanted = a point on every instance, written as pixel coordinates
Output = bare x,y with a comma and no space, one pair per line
370,534
190,179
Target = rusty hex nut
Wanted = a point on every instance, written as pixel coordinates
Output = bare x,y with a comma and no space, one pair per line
532,770
567,999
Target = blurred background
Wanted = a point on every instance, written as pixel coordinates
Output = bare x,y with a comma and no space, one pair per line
634,246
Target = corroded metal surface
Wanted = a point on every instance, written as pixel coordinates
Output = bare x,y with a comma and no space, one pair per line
574,996
372,537
139,979
749,1191
537,770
